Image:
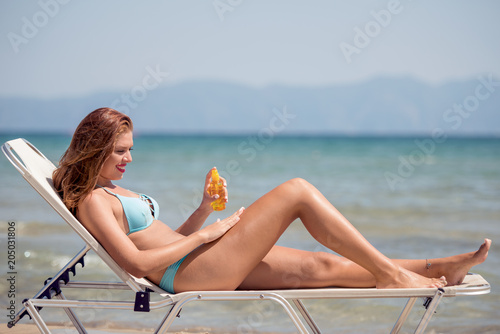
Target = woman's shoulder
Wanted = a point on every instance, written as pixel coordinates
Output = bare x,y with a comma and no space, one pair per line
95,204
96,197
116,191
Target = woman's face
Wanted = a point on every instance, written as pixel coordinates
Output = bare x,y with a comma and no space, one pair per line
115,164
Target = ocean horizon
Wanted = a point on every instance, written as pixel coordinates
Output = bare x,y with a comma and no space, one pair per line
410,196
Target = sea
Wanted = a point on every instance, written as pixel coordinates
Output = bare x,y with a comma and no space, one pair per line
411,197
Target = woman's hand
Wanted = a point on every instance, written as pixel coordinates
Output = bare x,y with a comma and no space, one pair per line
220,227
199,216
207,199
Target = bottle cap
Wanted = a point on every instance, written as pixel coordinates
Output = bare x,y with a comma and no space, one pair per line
215,175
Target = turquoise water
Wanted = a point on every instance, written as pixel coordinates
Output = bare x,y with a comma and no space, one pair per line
412,198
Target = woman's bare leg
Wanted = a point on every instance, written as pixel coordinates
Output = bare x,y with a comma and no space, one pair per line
290,268
454,268
225,263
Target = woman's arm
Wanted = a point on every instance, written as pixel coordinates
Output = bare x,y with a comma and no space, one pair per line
195,221
97,216
198,218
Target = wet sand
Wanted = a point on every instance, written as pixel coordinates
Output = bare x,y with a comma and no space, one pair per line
32,329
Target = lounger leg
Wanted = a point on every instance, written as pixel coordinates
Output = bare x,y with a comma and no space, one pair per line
430,311
310,321
168,319
72,316
37,319
404,315
207,296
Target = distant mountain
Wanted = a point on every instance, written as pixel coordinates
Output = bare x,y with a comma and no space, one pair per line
382,106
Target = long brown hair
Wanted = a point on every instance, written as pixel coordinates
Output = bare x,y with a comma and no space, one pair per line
92,143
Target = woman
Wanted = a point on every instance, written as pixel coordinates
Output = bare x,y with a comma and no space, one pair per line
236,252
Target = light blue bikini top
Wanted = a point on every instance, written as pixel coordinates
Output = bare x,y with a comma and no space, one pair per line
139,211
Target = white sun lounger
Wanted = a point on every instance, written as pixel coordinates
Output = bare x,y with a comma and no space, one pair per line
37,171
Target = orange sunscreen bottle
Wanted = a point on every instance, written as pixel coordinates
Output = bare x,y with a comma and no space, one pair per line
216,187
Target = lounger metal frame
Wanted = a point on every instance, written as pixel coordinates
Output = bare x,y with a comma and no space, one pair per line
36,169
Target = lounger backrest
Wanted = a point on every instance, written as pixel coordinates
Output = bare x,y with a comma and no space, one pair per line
37,170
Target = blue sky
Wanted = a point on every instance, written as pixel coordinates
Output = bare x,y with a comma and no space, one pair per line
63,48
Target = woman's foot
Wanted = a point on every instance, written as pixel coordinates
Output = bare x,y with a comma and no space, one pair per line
454,268
450,270
408,279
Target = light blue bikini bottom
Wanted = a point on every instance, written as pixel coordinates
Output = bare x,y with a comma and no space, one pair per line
167,281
